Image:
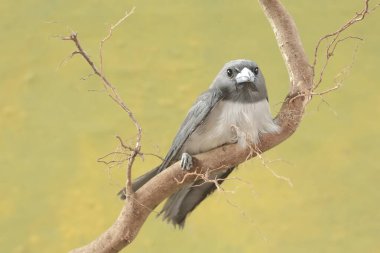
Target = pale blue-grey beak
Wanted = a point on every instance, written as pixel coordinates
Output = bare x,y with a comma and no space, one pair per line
245,76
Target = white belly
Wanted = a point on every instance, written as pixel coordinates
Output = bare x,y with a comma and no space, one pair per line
230,122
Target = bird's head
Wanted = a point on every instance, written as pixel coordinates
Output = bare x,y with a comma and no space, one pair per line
242,80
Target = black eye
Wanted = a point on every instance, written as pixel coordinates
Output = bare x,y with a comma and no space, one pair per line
256,70
230,72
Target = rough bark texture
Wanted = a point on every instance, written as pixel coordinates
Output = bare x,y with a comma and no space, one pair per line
139,205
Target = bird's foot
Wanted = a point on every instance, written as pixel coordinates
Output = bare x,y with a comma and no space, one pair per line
186,161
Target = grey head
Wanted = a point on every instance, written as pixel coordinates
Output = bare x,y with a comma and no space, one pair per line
241,81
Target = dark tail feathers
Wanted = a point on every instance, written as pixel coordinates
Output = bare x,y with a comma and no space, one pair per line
181,203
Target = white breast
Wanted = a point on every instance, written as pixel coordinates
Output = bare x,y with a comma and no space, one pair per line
230,122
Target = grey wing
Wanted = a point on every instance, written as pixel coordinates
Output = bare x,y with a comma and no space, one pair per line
198,112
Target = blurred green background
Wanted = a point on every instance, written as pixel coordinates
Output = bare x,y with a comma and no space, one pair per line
55,196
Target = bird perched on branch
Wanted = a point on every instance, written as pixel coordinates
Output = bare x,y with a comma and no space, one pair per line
234,109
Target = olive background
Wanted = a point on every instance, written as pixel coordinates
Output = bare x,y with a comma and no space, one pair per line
54,126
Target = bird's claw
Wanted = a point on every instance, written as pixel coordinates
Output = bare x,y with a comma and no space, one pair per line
186,161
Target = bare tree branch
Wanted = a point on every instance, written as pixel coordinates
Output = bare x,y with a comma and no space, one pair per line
301,75
112,92
290,45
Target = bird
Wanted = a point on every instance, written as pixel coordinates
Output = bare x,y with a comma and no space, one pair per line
234,109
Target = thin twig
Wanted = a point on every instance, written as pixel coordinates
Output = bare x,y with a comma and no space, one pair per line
330,53
256,150
331,47
127,14
64,61
358,17
112,93
338,83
